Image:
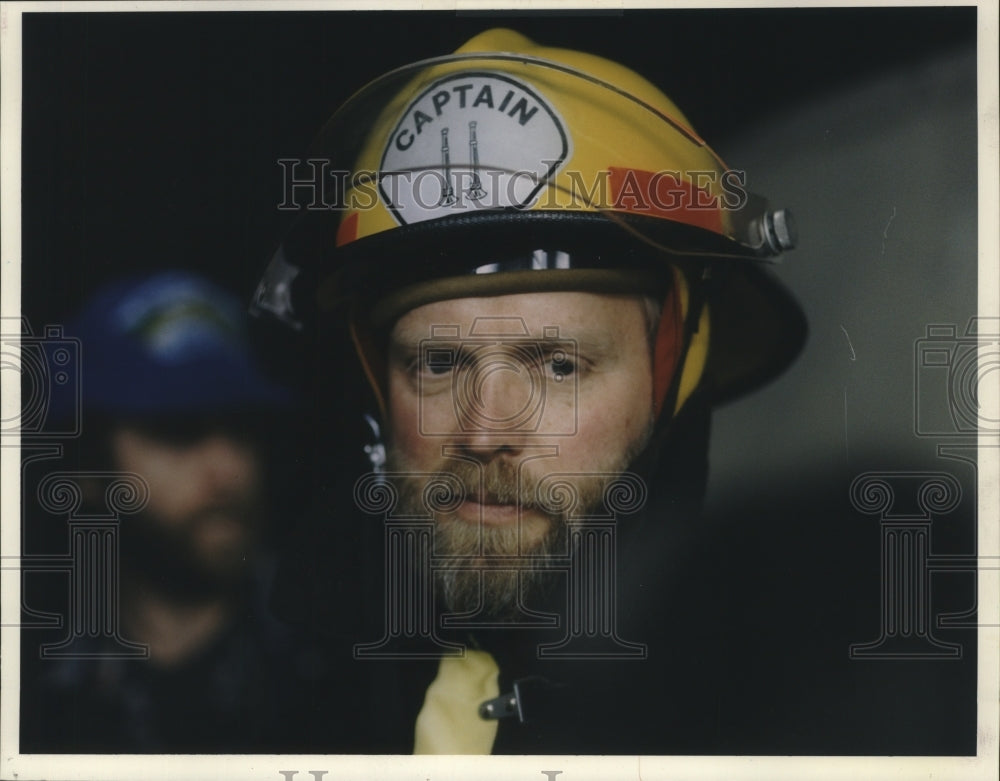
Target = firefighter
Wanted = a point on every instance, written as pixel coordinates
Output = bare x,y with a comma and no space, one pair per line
549,280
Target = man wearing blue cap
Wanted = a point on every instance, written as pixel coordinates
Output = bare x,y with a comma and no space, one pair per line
171,393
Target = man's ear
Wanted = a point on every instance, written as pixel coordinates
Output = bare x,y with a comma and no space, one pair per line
373,363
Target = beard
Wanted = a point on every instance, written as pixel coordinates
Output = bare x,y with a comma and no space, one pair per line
496,570
181,560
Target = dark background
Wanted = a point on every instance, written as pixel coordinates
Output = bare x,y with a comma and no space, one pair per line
151,140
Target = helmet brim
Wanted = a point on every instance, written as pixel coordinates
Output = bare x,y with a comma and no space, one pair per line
757,327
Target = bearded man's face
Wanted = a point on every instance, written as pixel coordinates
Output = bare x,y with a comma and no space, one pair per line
200,531
508,415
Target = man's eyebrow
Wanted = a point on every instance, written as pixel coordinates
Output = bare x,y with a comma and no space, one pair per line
585,339
411,339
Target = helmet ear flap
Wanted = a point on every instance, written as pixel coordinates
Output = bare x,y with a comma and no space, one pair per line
680,347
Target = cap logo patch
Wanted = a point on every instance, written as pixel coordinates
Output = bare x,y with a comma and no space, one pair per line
178,320
473,140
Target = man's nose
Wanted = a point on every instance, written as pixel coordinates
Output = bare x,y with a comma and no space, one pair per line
226,460
497,404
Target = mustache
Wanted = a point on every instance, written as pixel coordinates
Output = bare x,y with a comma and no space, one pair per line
442,489
451,481
498,482
243,511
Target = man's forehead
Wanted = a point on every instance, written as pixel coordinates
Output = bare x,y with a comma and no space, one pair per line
543,315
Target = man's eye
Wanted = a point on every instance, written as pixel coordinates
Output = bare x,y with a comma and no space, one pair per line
436,362
437,369
561,364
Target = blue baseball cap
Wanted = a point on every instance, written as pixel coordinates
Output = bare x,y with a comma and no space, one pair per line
165,343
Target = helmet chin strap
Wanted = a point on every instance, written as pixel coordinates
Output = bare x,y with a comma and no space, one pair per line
372,363
668,345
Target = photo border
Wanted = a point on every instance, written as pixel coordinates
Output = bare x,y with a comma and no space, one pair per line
271,767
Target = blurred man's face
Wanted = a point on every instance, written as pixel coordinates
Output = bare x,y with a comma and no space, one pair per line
528,405
201,522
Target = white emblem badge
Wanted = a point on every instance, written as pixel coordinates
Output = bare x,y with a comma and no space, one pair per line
474,140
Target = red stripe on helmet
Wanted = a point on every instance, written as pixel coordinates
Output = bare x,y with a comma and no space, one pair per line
665,195
348,230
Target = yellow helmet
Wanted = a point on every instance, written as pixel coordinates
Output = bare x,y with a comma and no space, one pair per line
508,167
